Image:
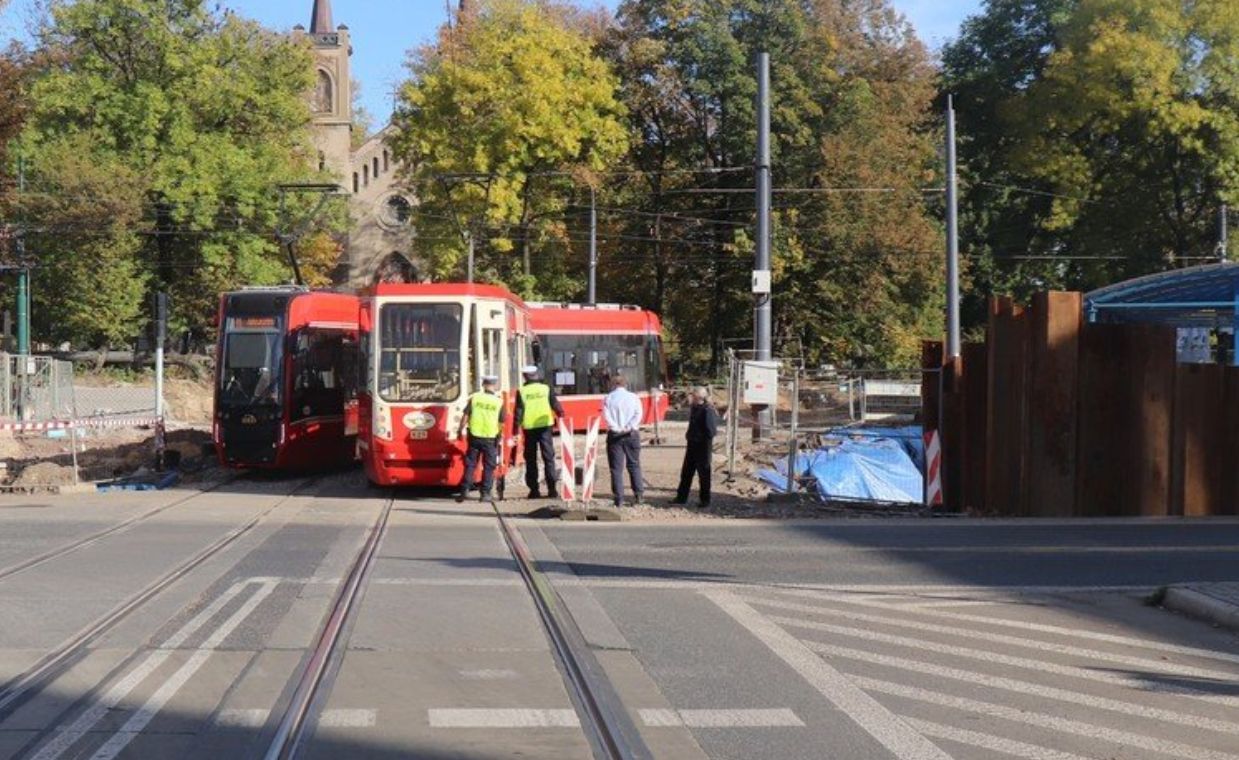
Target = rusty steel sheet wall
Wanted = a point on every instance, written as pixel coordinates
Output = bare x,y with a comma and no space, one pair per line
1007,426
1053,385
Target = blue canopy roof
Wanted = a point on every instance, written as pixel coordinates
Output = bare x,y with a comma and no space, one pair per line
1203,296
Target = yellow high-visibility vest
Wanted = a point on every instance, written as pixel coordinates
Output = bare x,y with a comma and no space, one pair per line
484,409
536,398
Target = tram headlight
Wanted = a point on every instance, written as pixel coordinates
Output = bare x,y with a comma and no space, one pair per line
382,422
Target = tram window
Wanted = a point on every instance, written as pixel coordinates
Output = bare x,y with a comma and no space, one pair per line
420,353
320,372
492,341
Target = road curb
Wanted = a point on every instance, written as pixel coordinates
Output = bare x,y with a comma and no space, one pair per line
1197,604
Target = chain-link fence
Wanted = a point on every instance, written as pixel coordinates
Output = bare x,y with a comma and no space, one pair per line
47,420
839,435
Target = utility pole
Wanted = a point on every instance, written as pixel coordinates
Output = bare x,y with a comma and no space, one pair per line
593,246
469,243
761,267
954,347
161,337
1223,237
23,273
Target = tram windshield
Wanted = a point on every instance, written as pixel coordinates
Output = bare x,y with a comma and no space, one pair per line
253,352
419,353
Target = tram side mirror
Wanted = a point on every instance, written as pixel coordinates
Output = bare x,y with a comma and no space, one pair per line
537,352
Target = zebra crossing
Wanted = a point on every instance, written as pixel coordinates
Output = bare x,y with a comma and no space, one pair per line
999,677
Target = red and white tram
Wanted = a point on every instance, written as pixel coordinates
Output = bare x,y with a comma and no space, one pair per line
581,347
425,350
286,380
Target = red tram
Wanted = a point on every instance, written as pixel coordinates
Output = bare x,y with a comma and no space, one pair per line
580,348
286,393
425,350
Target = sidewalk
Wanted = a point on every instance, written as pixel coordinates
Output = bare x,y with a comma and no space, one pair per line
1215,603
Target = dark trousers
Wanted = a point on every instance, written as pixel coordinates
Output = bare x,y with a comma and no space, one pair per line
698,460
488,450
624,452
540,440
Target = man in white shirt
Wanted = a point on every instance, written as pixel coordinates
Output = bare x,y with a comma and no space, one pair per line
623,413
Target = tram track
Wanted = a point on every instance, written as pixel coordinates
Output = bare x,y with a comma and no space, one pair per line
94,538
611,733
53,664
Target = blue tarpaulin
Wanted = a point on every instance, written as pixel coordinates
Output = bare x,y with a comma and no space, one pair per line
867,468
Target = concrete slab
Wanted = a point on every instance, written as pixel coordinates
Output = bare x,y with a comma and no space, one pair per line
436,619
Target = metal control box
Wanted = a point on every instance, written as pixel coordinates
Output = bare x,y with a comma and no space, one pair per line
761,383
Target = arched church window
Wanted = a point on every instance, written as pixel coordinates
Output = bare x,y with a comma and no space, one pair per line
324,95
396,211
356,183
386,160
376,167
396,268
365,175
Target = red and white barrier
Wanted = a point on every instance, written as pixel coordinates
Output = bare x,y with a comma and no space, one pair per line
933,469
89,422
591,460
567,476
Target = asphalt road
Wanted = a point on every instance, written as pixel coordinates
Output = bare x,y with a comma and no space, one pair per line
843,639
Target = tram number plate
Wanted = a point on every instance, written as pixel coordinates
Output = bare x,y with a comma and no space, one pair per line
419,435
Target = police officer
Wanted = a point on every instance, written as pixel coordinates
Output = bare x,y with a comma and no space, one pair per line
699,456
536,410
484,417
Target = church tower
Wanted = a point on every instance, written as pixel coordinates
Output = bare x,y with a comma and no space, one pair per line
333,90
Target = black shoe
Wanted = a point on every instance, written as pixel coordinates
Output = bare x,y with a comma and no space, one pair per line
535,494
551,490
703,505
460,498
679,501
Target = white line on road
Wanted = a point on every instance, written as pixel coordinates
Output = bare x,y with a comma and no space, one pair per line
142,718
491,674
1041,720
348,719
1160,666
69,736
991,743
503,718
666,718
1074,633
1129,681
887,728
1028,688
242,718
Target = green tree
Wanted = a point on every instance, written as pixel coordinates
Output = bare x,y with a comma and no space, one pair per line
196,114
856,273
498,118
1135,124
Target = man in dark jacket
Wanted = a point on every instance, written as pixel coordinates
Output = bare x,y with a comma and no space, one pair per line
699,456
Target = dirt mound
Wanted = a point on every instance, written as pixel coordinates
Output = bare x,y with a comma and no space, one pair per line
44,474
189,402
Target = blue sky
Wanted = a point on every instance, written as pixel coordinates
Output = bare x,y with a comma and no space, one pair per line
384,31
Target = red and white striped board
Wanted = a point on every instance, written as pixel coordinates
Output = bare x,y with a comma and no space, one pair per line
89,422
567,476
933,469
591,460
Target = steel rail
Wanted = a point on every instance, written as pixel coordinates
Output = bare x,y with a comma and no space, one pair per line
51,664
93,538
291,732
611,731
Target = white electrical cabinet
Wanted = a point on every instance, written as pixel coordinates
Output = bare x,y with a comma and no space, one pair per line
761,383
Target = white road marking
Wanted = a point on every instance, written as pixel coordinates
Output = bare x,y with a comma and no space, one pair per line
240,718
348,719
1161,666
69,736
884,726
1041,720
1029,688
489,675
1088,674
142,718
991,743
1074,633
666,718
502,718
